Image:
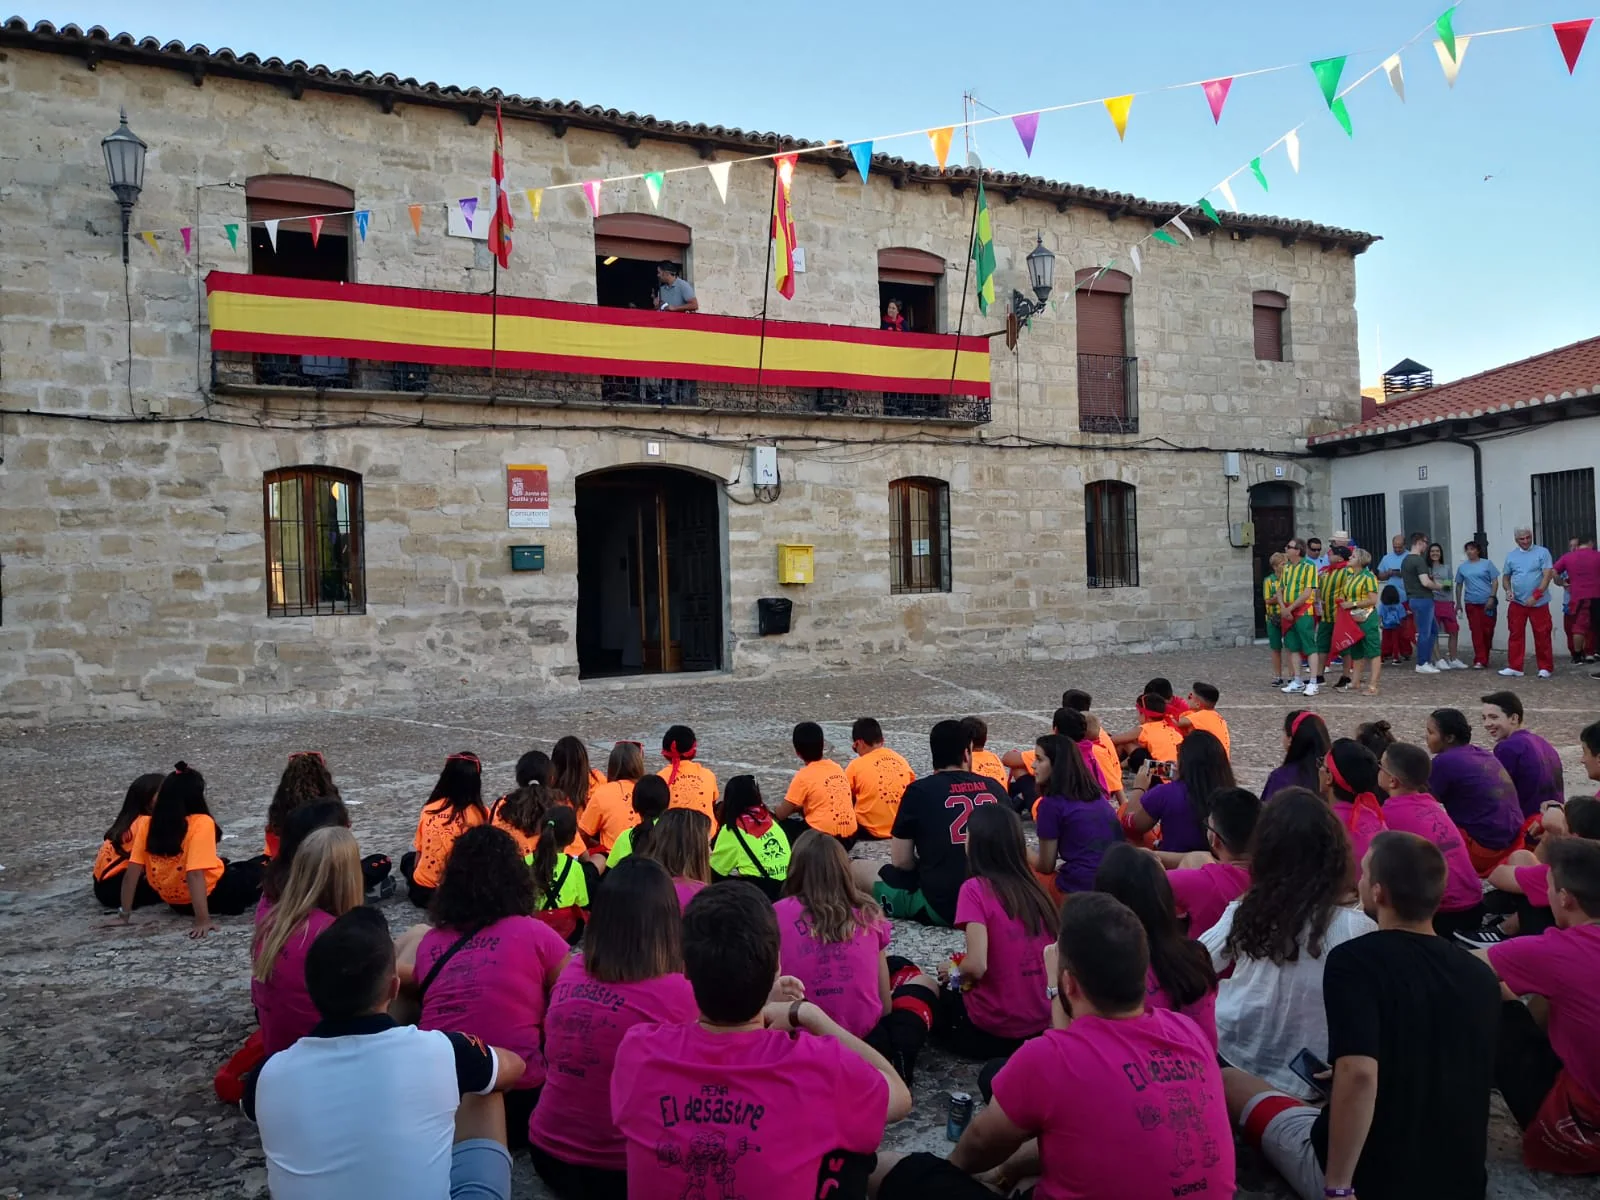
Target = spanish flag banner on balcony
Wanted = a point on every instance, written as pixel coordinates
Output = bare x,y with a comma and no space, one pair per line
259,314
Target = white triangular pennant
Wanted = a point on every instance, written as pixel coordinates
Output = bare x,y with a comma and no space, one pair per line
1178,224
1291,143
272,234
1227,194
1397,76
652,184
719,176
1452,66
1138,265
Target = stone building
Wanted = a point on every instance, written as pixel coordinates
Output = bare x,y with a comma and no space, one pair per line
241,503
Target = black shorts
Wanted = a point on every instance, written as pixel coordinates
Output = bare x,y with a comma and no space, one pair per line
923,1176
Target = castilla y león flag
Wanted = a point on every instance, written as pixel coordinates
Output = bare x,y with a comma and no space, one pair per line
501,225
783,228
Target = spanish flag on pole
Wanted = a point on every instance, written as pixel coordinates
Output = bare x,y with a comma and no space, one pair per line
783,228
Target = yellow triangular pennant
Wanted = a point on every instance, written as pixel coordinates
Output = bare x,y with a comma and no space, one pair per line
1118,107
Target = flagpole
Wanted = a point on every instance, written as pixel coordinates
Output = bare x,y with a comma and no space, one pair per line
494,320
766,282
966,276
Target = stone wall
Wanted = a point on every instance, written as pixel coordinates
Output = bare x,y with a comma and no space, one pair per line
133,549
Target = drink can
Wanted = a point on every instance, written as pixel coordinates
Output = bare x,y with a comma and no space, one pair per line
959,1116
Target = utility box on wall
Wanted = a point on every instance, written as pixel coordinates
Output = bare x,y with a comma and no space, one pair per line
796,564
527,558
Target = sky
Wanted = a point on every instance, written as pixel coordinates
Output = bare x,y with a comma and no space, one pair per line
1484,194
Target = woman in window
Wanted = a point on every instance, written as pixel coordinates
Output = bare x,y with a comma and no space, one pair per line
177,851
1076,823
894,320
1181,806
454,806
1305,743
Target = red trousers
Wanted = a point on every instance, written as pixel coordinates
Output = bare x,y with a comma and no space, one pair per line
1482,626
1518,617
1393,643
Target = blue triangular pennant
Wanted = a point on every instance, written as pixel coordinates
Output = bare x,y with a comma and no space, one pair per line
362,217
862,153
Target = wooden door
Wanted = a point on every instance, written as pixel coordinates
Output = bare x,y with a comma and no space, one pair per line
693,548
1272,511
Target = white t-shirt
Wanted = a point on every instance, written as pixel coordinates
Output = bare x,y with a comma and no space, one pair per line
1266,1014
365,1108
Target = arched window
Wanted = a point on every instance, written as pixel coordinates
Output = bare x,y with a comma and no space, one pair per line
291,200
627,249
1268,309
315,556
919,536
1111,518
912,279
1108,376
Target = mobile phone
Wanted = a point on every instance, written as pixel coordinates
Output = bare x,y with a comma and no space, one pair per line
1308,1066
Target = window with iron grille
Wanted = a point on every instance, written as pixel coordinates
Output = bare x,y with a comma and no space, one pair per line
1366,520
1563,508
919,536
1111,514
314,542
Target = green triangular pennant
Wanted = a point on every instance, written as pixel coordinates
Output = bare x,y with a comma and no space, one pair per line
1161,235
1328,71
1210,212
1447,30
1261,176
1341,114
233,235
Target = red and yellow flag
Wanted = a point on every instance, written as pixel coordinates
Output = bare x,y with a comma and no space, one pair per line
783,228
501,225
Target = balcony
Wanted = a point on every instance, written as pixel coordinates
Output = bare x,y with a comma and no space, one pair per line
274,333
1108,393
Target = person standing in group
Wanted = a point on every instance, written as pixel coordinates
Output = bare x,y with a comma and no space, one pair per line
1330,587
1564,584
1315,555
1533,763
1527,577
1444,610
1478,584
1389,572
1297,598
1581,568
878,777
1359,597
1419,585
1274,610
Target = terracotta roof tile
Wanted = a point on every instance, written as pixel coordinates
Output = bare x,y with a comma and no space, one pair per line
1553,377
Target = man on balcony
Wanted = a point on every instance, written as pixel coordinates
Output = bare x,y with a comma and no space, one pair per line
676,294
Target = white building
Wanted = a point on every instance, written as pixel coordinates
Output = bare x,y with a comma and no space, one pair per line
1513,446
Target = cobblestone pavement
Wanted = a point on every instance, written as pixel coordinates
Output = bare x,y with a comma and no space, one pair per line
112,1033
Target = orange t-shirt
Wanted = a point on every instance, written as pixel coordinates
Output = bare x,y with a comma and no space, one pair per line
527,843
113,860
1105,753
271,844
597,778
1211,721
877,780
437,830
821,791
695,788
987,762
1161,739
169,874
608,813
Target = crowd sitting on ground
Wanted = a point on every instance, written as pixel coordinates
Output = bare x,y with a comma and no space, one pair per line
1341,609
645,983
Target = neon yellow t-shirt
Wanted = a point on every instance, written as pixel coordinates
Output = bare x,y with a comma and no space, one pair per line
574,891
730,860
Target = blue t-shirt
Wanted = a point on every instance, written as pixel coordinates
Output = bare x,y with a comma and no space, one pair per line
1525,568
1390,562
1392,616
1476,581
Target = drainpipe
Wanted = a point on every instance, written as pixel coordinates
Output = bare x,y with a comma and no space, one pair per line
1478,535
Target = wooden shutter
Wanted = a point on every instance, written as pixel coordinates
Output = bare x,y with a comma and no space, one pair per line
1102,327
1268,309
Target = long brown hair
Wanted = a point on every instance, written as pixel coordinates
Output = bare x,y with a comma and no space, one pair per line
997,852
305,779
569,770
681,842
634,930
326,874
626,762
819,877
1300,874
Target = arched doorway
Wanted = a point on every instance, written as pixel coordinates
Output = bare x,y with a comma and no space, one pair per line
1272,514
649,572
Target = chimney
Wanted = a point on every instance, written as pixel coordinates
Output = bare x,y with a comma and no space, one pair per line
1407,375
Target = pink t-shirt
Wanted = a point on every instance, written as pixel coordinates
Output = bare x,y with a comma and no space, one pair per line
1535,884
1203,1012
1563,965
1582,569
1204,892
1360,827
583,1028
494,986
283,1005
1010,1001
1143,1116
1421,814
841,978
686,889
740,1114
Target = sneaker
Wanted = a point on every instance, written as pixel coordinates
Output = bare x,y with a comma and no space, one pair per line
1510,673
1343,684
1482,939
1278,683
1295,685
1312,688
1544,674
1479,666
1427,669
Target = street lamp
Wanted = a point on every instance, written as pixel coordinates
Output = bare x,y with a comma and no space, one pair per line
124,152
1042,276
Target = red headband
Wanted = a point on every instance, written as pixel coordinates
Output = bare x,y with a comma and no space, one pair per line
1294,725
316,754
1368,800
675,756
471,758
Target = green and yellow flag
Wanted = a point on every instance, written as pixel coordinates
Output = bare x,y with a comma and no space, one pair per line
983,253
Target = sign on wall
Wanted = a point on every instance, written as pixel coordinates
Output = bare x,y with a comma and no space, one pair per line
528,496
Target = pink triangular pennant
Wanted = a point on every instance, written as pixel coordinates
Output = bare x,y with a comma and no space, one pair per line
187,233
1216,91
1027,128
1570,37
591,189
316,229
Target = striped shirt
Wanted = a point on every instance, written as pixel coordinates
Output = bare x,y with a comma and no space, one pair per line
1330,590
1296,581
1269,593
1359,585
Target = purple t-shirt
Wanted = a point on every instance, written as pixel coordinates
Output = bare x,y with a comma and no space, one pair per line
1010,1001
1181,830
1287,776
841,978
1535,768
1082,831
1478,794
583,1027
283,1005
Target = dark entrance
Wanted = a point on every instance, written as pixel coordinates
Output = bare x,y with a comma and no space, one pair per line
1272,512
649,572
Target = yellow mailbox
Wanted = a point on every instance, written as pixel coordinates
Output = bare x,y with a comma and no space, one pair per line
796,564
